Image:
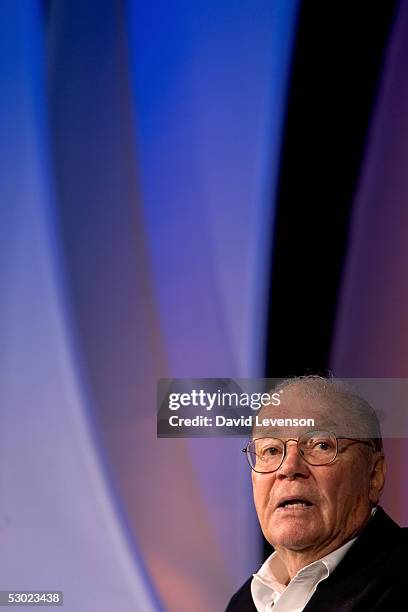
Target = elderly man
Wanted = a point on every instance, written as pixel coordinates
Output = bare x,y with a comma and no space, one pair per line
316,495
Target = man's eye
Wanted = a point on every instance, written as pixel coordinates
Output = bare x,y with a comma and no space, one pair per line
271,450
324,446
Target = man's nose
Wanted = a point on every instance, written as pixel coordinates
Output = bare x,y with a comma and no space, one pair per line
293,465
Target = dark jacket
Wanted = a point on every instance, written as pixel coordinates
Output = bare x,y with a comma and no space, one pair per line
372,576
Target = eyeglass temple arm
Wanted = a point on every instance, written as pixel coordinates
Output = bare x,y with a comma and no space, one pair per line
368,443
245,450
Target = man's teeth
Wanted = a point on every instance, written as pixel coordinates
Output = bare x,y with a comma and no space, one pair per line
295,504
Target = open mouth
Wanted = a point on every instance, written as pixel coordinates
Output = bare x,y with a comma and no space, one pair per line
295,503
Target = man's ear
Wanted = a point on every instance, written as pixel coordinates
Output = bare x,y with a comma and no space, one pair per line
377,477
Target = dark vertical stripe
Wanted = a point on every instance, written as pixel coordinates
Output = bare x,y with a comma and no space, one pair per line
337,64
337,67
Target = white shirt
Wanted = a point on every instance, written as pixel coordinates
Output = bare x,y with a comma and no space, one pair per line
269,590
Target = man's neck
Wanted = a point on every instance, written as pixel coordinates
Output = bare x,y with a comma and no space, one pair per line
295,560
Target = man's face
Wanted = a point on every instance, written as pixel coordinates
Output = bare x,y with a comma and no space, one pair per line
337,495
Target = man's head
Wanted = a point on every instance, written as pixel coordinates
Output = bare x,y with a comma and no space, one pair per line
337,497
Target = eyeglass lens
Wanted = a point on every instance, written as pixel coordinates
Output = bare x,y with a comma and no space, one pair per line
316,447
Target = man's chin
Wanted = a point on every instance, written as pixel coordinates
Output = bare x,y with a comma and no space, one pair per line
294,534
294,541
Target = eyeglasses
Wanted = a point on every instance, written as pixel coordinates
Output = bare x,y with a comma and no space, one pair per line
266,455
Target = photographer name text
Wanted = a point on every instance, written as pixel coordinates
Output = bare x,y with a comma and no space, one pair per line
243,421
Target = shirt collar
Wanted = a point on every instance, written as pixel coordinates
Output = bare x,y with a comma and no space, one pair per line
273,572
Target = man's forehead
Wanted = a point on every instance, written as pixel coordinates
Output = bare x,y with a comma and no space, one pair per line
300,411
292,432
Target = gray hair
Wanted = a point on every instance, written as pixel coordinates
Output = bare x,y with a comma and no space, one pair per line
359,408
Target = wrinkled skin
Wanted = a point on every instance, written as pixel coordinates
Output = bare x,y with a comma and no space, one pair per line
342,493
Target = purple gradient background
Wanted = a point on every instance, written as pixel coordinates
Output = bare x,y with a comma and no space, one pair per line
139,162
372,326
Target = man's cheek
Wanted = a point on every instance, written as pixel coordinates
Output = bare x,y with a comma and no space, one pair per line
261,500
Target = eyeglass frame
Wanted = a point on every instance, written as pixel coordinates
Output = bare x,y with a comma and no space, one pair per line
246,451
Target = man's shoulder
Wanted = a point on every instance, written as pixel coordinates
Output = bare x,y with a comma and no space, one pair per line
371,576
381,538
242,600
374,562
